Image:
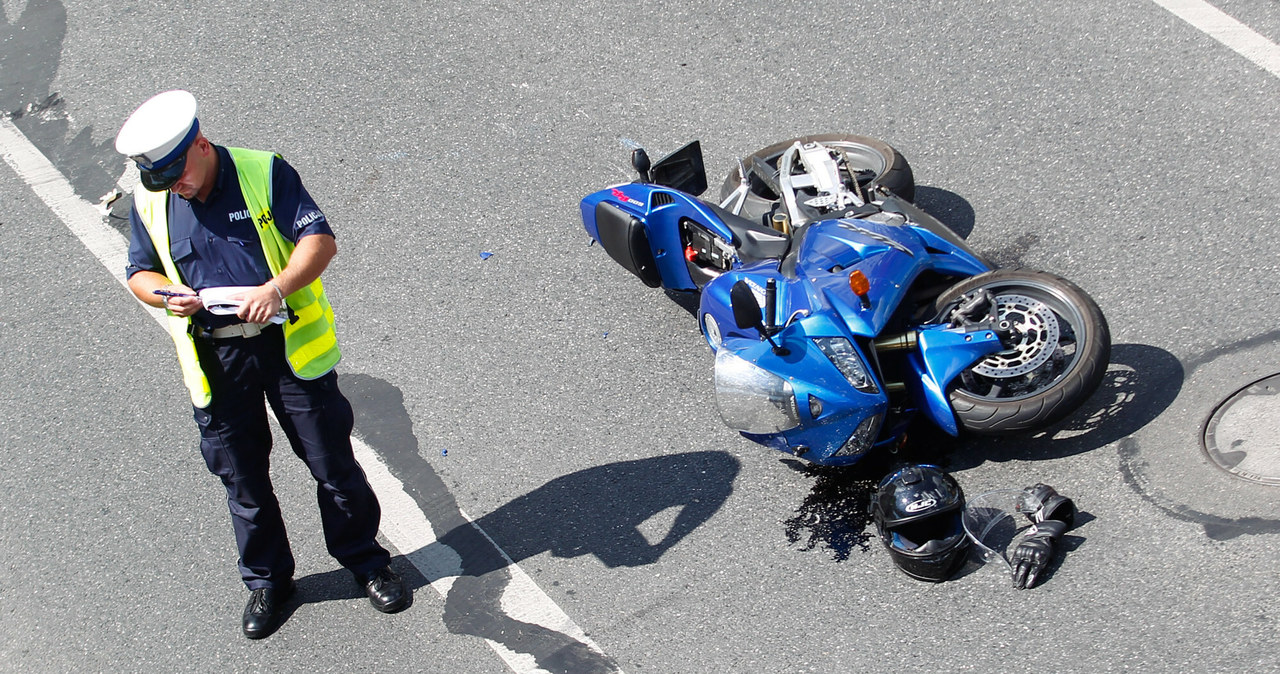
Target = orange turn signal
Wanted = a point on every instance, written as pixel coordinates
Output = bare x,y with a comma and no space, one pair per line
858,283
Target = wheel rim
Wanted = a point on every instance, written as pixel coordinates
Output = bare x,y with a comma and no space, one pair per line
1036,333
1047,330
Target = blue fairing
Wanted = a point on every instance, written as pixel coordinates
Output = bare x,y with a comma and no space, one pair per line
715,298
819,436
891,256
813,300
661,209
944,354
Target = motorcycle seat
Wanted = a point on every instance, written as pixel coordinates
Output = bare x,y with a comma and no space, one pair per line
753,241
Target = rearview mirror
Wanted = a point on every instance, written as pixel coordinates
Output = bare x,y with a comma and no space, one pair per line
640,162
682,170
747,314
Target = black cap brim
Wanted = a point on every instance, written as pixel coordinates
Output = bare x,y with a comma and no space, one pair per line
158,180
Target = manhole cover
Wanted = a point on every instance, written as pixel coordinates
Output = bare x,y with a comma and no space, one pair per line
1242,436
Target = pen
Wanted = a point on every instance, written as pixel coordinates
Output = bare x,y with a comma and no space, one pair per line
167,293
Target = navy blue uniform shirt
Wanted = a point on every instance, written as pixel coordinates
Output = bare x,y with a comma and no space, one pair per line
214,242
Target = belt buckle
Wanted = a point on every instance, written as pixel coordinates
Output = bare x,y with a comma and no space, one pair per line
250,329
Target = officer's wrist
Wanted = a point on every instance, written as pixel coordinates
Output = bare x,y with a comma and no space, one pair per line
279,292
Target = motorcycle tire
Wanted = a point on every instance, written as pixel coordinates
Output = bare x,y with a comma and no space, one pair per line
1037,382
891,170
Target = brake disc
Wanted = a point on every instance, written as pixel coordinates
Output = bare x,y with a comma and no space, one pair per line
1035,327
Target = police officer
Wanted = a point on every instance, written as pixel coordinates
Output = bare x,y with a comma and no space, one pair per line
207,216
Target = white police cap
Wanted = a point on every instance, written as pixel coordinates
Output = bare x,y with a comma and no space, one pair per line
156,136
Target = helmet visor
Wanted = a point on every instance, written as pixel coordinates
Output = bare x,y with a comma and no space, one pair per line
992,520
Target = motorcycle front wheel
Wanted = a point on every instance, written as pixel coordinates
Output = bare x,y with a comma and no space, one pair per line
882,165
1060,347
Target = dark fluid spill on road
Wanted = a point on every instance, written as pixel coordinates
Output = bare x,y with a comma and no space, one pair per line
836,514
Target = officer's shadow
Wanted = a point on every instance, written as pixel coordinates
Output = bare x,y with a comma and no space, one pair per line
626,514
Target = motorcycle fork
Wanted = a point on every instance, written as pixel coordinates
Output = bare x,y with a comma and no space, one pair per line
908,341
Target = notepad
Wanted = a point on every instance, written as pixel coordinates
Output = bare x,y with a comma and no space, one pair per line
224,300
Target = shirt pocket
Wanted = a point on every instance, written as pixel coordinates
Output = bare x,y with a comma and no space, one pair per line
182,249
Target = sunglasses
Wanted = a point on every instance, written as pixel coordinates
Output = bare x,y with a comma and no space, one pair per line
157,180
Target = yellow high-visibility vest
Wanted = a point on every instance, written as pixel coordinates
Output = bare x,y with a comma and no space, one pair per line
311,343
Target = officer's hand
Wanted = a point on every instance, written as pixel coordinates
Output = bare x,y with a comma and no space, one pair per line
260,304
182,306
1029,559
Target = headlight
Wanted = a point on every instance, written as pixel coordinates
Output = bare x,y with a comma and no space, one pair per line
751,399
842,354
863,437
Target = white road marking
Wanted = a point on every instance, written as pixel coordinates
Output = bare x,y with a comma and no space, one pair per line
1220,26
407,528
403,523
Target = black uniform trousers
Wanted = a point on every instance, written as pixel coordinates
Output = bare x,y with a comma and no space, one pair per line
235,440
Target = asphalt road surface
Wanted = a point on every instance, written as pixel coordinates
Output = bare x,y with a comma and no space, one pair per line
563,495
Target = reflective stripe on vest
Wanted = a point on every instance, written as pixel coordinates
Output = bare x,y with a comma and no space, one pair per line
153,209
311,344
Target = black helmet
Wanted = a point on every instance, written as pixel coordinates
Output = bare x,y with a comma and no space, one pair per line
917,511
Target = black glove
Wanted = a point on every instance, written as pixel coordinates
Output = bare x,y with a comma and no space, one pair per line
1051,514
1034,552
1042,503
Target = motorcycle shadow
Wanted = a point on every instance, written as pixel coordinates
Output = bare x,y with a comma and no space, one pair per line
949,208
1140,383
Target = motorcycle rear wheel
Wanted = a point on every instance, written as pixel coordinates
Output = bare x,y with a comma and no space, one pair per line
890,169
1062,350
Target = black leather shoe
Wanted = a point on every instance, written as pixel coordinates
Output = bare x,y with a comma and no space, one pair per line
387,591
265,608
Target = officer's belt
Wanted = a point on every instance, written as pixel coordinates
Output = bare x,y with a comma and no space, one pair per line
229,331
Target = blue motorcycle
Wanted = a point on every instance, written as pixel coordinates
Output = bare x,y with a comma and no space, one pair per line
838,311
